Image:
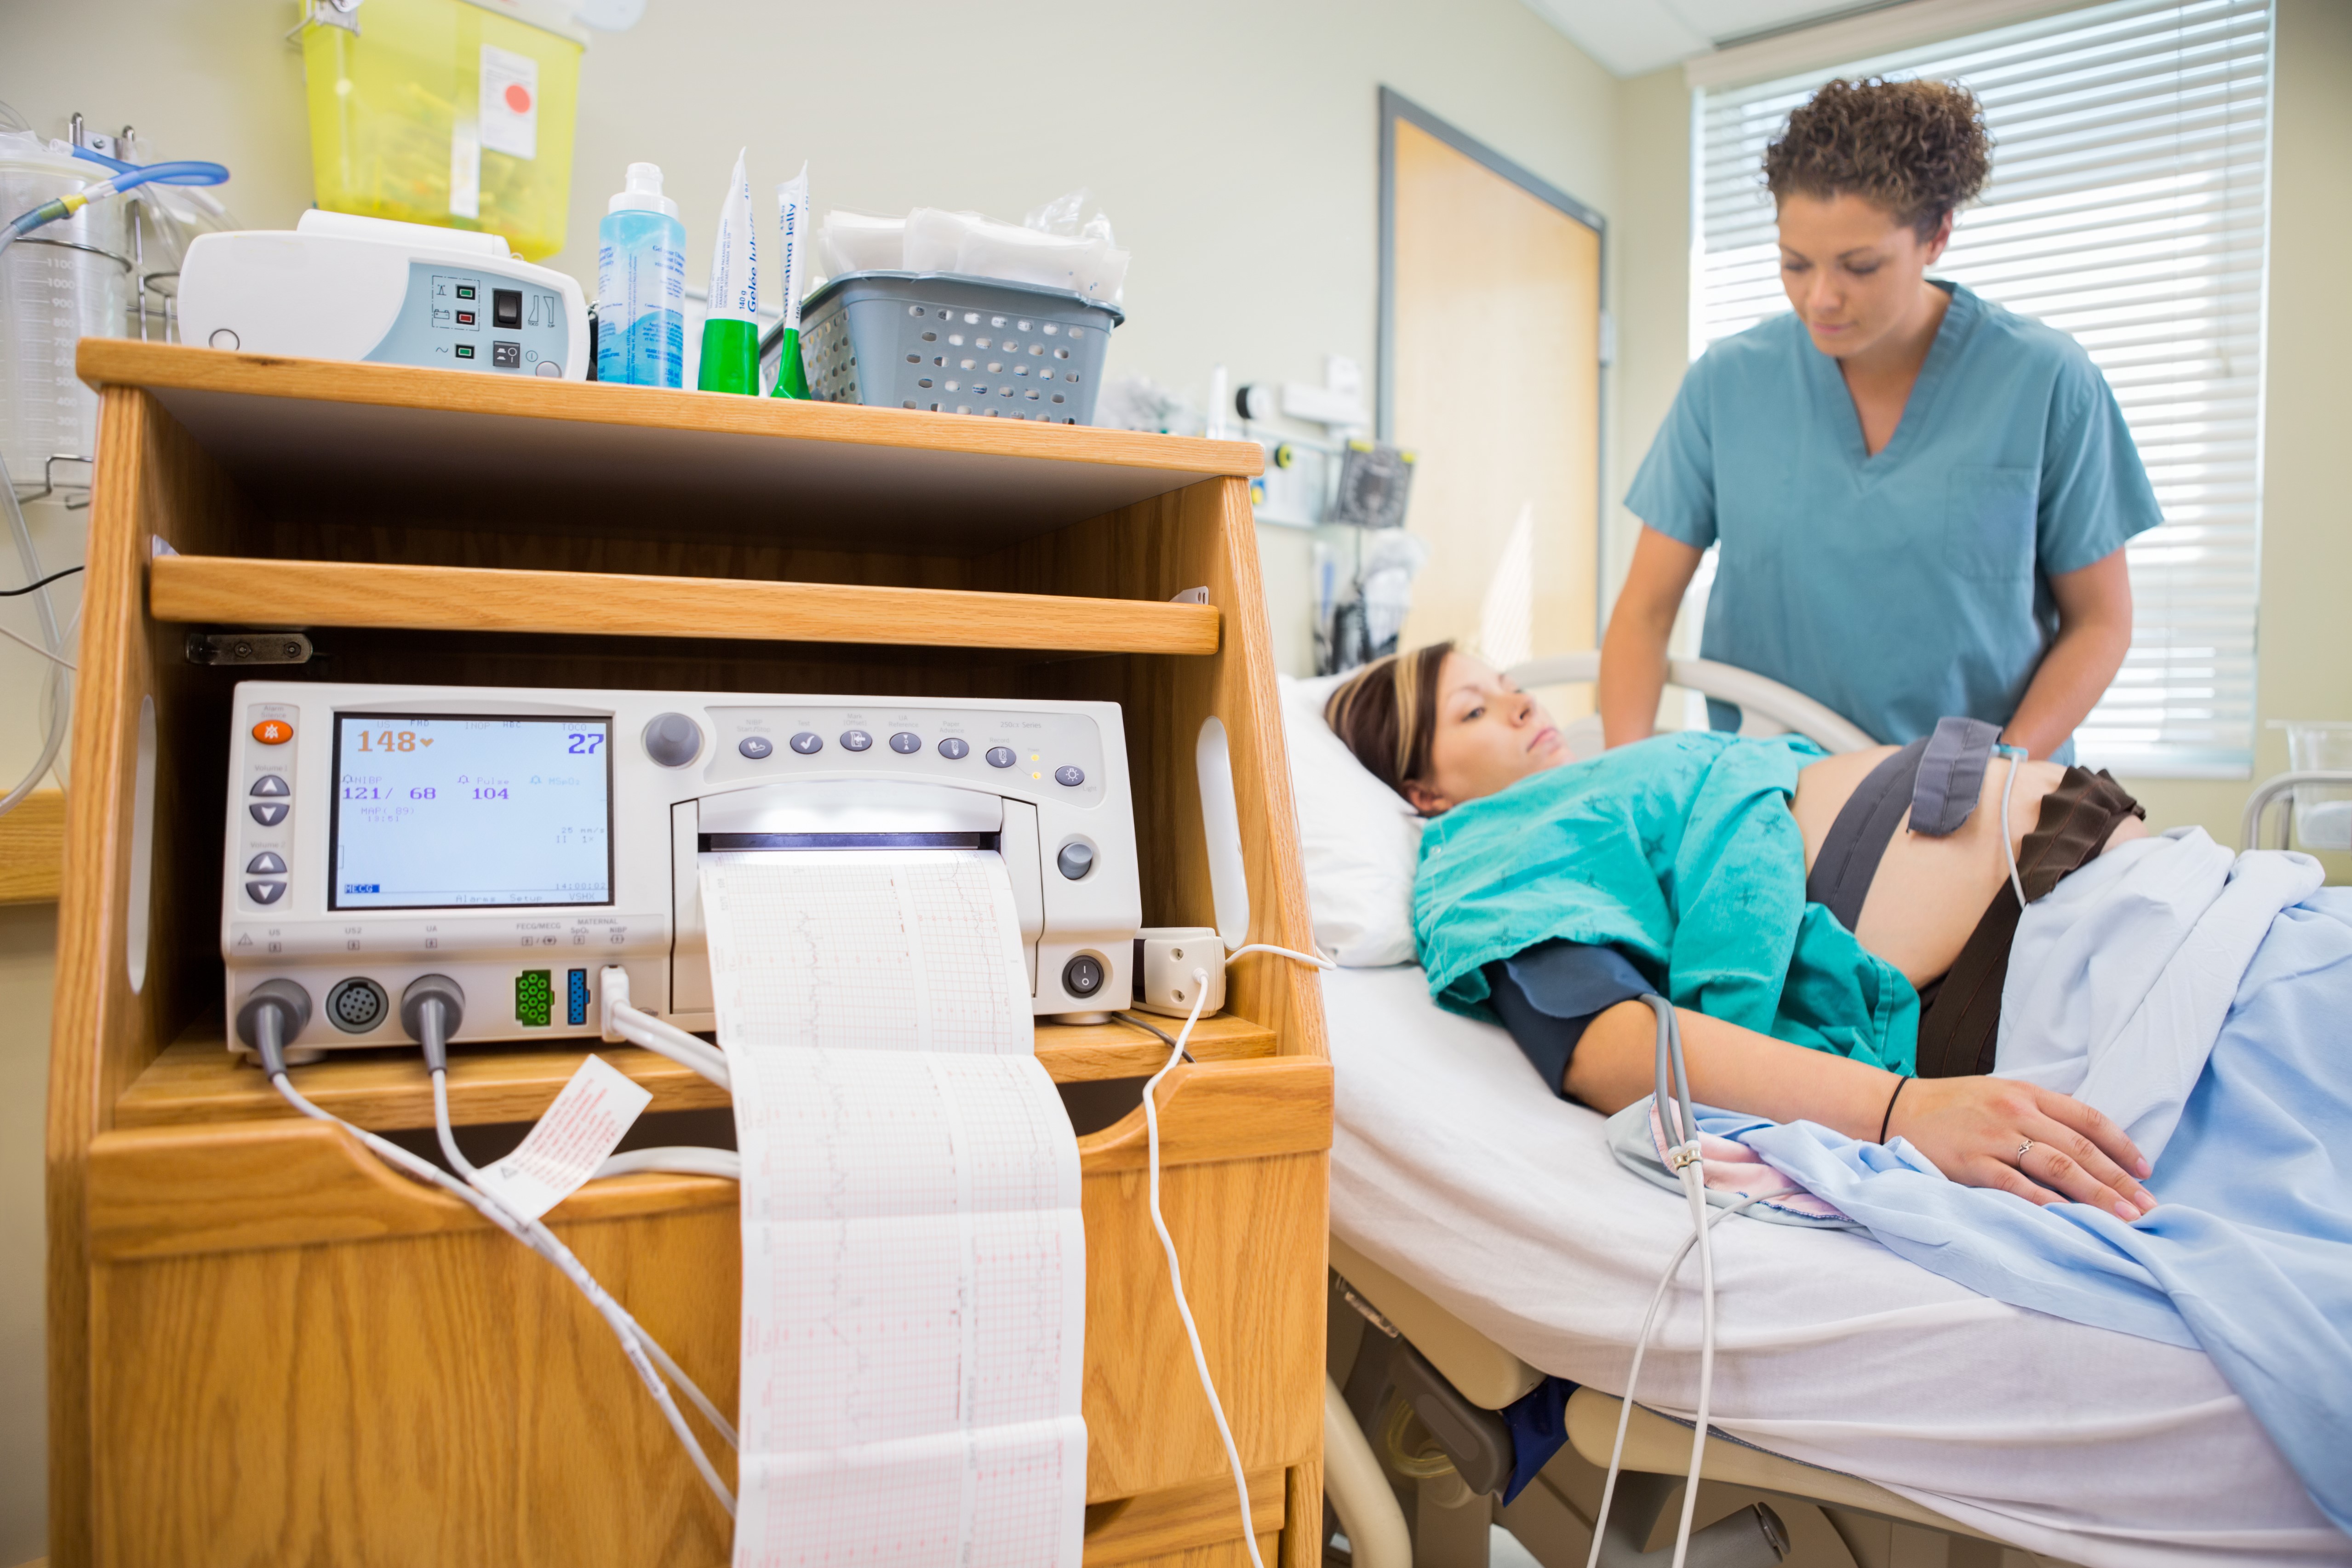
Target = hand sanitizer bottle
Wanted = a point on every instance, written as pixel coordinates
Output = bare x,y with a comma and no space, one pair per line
641,286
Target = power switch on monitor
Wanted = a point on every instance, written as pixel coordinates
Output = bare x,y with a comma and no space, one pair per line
1084,975
1165,957
506,308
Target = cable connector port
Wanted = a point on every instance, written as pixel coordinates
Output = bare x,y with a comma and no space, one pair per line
612,991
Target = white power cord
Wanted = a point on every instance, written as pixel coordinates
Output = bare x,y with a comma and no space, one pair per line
269,1025
1680,1126
1641,1345
681,1160
534,1235
1317,958
1175,1272
621,1021
2008,845
664,1038
59,688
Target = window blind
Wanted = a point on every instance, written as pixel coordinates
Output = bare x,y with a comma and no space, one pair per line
2129,209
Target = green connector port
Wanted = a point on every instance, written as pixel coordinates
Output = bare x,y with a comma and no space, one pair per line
534,998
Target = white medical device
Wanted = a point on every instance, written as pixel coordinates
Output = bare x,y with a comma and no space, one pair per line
341,287
518,840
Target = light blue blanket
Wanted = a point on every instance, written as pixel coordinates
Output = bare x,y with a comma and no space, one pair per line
2231,1054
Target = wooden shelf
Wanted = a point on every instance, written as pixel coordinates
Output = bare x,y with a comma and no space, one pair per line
33,849
478,531
197,1080
830,474
213,588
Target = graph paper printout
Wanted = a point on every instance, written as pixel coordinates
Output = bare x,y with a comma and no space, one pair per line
906,949
914,1263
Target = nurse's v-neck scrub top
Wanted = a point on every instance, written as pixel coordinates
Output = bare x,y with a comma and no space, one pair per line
1900,588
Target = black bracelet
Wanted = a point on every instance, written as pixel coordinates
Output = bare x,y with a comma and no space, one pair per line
1888,1119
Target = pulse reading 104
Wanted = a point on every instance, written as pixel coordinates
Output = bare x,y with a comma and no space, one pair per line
422,792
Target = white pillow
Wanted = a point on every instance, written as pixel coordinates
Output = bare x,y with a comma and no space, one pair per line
1359,839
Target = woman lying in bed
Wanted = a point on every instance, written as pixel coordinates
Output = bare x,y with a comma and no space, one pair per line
1796,908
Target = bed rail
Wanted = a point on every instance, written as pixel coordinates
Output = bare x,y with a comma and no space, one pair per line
1765,707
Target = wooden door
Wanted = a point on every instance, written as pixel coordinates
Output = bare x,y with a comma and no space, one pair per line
1491,374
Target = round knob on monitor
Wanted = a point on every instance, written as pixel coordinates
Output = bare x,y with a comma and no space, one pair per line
673,740
1075,860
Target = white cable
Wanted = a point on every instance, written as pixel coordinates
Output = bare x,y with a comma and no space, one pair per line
680,1159
59,690
1633,1376
64,663
548,1244
666,1039
1176,1274
1695,1185
2008,844
1317,958
623,1022
624,1328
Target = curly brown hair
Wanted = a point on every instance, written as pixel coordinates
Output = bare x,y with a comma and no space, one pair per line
1919,149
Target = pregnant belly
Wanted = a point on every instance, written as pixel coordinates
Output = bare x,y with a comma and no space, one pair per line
1930,893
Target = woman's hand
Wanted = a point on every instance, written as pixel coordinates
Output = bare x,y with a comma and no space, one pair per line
2042,1145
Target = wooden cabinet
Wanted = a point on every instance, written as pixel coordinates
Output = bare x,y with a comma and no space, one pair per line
264,1345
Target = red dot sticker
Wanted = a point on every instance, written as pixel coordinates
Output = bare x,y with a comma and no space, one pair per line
518,98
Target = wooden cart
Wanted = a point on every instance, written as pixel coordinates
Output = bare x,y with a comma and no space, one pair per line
263,1347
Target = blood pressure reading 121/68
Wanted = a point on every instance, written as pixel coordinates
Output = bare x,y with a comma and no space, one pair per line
435,812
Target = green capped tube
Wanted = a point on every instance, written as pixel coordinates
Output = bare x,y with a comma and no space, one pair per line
731,332
791,225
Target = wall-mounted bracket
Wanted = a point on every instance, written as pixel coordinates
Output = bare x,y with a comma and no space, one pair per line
248,647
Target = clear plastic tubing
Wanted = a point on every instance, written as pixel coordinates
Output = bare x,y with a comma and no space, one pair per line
641,286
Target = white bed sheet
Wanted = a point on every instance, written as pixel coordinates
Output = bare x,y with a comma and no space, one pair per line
1452,1166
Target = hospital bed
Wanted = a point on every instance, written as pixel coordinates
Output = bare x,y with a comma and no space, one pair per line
1483,1236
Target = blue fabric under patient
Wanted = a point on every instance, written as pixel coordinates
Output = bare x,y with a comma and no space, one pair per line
2248,1255
1547,995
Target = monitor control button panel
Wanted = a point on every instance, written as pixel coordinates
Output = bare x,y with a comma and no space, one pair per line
266,828
1040,754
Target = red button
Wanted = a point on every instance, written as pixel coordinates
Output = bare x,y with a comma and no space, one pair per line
273,731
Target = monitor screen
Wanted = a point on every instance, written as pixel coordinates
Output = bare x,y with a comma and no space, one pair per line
435,811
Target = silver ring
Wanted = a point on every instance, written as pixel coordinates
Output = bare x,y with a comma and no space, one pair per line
2021,1148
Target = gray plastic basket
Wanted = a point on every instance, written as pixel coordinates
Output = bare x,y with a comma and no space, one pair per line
953,344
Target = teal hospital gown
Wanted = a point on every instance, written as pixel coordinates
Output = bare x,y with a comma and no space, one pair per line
1681,853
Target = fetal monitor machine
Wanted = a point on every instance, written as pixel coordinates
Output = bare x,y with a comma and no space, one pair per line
338,286
521,841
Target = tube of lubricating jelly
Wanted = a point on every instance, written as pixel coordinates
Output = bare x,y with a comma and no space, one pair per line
731,332
792,225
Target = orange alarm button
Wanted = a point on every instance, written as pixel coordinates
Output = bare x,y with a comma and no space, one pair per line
273,731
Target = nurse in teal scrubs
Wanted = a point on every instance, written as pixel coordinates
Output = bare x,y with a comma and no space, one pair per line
1920,500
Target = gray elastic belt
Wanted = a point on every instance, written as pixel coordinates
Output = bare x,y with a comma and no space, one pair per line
1936,779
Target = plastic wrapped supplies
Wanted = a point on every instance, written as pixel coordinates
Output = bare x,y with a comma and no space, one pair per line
855,242
1051,251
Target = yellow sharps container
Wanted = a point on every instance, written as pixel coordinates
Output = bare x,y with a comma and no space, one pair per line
452,112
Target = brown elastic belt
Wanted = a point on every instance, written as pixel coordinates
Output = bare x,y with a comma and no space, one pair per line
1962,1025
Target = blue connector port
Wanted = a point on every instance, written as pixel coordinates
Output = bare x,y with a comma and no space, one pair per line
575,1012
